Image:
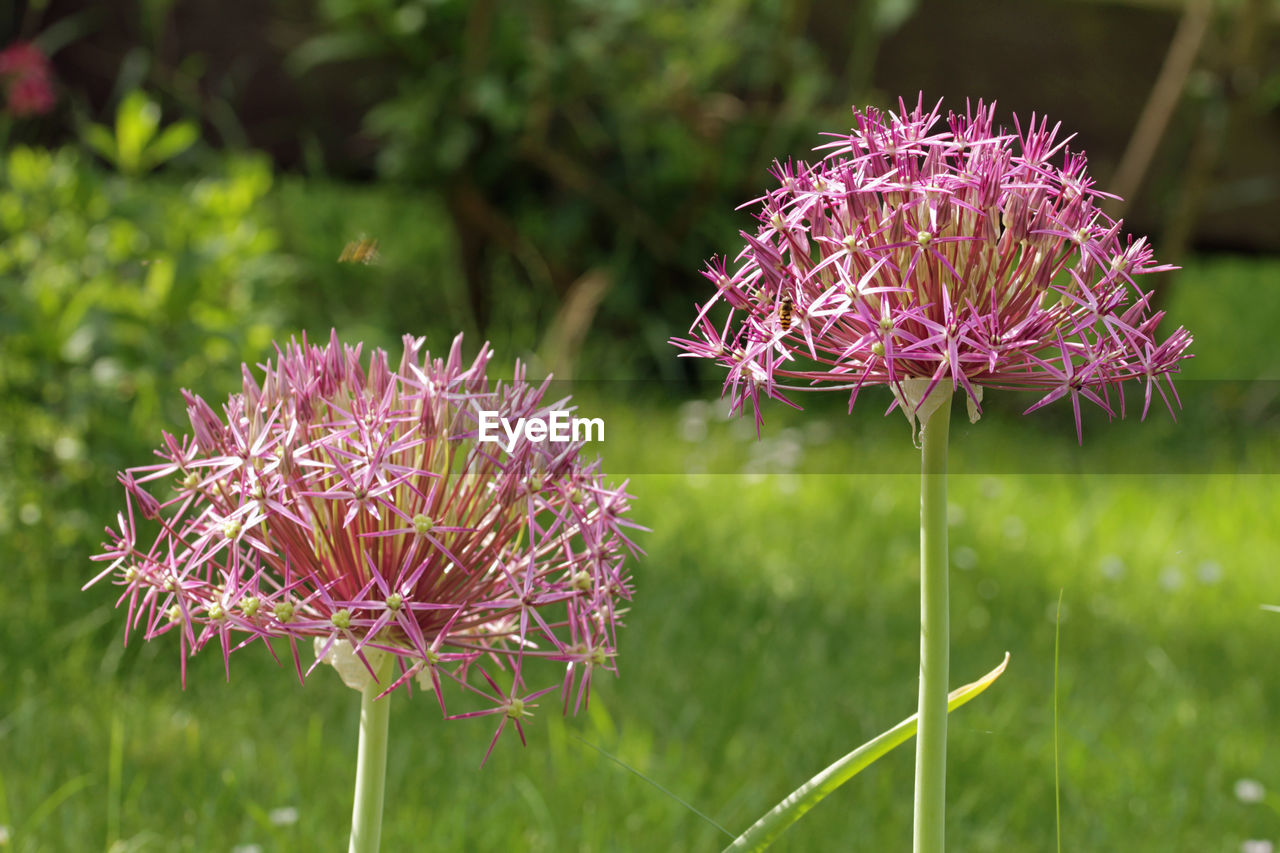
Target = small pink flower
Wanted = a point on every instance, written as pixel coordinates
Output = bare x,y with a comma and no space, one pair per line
355,507
949,252
27,78
31,95
23,57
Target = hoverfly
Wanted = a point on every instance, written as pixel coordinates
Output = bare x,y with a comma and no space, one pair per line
784,313
364,251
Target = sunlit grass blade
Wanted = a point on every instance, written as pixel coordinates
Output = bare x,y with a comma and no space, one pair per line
52,803
763,832
655,784
115,773
1057,786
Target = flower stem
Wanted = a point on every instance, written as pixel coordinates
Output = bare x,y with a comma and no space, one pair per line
371,764
931,739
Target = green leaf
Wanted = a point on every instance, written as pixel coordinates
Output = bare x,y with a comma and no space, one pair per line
888,15
101,142
766,830
159,281
334,47
137,119
172,141
66,30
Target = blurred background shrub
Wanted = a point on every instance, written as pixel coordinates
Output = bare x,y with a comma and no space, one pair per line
587,156
583,148
553,174
113,295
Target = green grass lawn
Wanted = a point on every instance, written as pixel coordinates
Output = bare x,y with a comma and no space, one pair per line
774,627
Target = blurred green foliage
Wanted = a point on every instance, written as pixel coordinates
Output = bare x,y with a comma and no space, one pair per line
114,294
413,288
588,135
137,144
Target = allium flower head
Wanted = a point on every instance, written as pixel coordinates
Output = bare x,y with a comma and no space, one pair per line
938,251
355,508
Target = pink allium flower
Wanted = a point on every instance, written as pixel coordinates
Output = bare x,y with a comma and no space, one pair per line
356,507
27,78
946,252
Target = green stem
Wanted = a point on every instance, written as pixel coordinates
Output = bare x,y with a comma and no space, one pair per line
931,739
371,764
